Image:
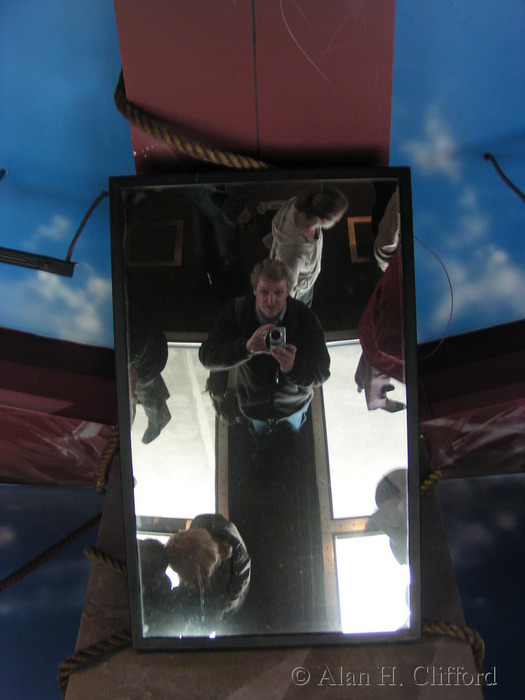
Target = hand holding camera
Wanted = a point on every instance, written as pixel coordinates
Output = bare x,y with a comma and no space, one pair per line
257,342
282,351
285,356
271,340
276,337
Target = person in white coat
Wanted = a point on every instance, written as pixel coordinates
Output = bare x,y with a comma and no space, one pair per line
297,235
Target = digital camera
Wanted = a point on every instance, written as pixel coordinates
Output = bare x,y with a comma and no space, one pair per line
276,337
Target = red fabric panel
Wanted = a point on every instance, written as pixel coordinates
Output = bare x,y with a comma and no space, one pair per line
484,441
380,327
54,376
191,63
285,80
472,401
324,77
472,384
58,405
38,448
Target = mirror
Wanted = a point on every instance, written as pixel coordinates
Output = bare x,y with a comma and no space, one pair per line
270,494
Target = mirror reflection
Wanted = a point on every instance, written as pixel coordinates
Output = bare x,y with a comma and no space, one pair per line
268,417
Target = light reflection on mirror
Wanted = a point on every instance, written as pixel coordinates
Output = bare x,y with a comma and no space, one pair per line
367,604
363,451
162,490
354,575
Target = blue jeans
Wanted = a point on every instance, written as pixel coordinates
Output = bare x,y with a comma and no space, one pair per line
262,428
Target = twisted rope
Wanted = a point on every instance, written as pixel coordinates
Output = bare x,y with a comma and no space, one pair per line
107,560
462,632
121,640
430,480
152,126
452,629
101,475
47,554
115,642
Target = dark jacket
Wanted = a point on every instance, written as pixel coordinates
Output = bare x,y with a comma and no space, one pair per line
263,391
231,581
198,613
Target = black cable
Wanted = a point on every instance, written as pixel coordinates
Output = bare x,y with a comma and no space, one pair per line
101,196
440,343
509,183
521,195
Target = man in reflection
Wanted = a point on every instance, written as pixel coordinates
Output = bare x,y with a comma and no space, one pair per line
213,569
275,382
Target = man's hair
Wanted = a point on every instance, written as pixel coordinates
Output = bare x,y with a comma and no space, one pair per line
272,270
194,554
325,203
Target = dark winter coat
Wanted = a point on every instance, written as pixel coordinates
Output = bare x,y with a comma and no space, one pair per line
264,391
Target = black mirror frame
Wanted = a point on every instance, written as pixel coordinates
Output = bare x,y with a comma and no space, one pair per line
117,185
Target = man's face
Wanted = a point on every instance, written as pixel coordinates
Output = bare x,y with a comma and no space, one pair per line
270,298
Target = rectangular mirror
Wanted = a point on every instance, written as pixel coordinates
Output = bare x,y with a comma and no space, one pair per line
271,492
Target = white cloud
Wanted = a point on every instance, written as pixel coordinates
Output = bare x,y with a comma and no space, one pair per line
486,281
468,198
76,311
469,547
507,521
473,225
434,153
99,288
489,280
71,309
58,229
7,535
482,518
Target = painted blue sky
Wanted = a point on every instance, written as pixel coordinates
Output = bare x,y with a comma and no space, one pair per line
457,92
61,138
40,614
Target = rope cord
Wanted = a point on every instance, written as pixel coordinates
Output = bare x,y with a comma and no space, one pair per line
47,554
456,631
452,629
107,560
122,639
101,475
114,642
430,480
153,126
